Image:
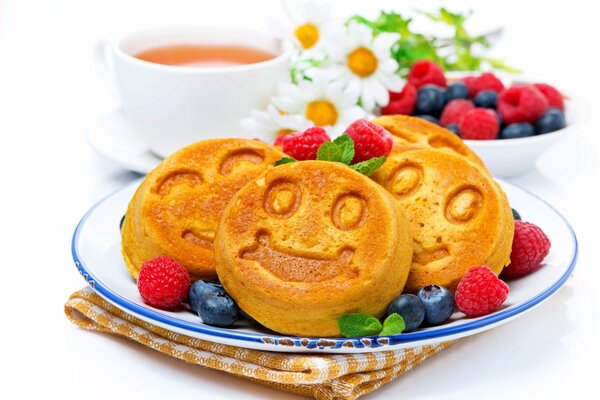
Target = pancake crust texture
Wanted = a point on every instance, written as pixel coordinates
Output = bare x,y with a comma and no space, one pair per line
309,242
176,209
459,215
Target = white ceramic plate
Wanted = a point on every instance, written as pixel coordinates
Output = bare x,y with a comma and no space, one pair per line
96,251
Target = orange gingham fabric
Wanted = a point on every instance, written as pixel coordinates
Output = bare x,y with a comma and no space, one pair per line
339,377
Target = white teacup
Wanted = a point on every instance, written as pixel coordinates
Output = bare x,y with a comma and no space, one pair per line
173,106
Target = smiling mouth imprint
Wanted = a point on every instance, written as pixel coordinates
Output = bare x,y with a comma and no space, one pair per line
204,238
299,267
422,255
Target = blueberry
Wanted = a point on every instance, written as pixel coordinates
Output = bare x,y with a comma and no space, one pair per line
411,308
429,118
218,309
200,289
454,129
486,99
430,100
553,120
500,120
516,214
121,222
457,90
438,302
517,130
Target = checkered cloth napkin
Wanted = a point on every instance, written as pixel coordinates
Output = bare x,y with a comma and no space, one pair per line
339,377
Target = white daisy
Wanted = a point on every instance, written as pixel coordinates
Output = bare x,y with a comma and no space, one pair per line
364,63
267,125
324,102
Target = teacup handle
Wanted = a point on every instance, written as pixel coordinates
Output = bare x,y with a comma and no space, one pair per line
103,59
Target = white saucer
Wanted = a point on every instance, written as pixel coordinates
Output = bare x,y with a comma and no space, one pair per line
113,138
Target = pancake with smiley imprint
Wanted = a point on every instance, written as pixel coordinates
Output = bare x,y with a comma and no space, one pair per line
416,133
309,242
459,216
176,210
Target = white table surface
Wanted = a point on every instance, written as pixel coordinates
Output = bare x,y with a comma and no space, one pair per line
49,97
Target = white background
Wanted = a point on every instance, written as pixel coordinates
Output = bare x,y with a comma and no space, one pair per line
50,97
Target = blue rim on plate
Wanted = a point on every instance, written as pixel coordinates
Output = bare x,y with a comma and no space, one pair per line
312,342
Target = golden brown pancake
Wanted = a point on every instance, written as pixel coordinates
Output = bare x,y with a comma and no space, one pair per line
413,133
459,216
309,242
176,210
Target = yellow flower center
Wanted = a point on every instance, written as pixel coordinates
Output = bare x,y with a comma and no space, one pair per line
307,35
321,112
362,62
285,131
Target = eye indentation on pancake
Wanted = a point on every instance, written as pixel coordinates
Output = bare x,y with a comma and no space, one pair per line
282,199
203,238
297,265
349,211
426,255
440,142
405,179
187,177
464,205
233,159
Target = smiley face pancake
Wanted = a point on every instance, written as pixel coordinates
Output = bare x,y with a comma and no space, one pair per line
176,210
309,242
459,216
412,133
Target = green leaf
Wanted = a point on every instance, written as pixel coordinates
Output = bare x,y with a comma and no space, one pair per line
329,151
369,166
346,145
357,325
393,325
284,160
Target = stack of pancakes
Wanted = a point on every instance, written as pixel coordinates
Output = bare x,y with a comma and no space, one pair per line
299,245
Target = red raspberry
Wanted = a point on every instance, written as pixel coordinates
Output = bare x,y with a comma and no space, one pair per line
370,140
304,145
469,81
486,81
454,110
479,124
480,292
555,99
523,103
163,282
279,140
530,247
426,72
401,102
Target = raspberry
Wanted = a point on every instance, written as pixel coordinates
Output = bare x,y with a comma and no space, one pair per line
486,81
530,247
401,102
304,145
370,140
523,103
480,292
454,110
279,140
426,72
479,124
553,96
163,282
469,81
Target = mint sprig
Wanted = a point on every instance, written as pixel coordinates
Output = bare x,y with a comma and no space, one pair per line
358,325
329,151
346,145
369,166
285,160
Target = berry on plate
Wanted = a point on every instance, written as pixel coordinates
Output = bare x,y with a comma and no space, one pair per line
426,72
480,292
486,81
469,81
530,247
430,100
457,90
552,120
163,282
454,111
486,99
410,308
304,145
517,130
554,97
438,302
523,103
370,140
199,289
429,118
401,102
516,215
479,124
453,128
218,309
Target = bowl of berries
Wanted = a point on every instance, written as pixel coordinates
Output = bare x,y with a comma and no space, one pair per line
508,121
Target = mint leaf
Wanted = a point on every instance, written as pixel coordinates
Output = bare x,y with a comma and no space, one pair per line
357,325
284,160
393,325
369,166
329,151
346,145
